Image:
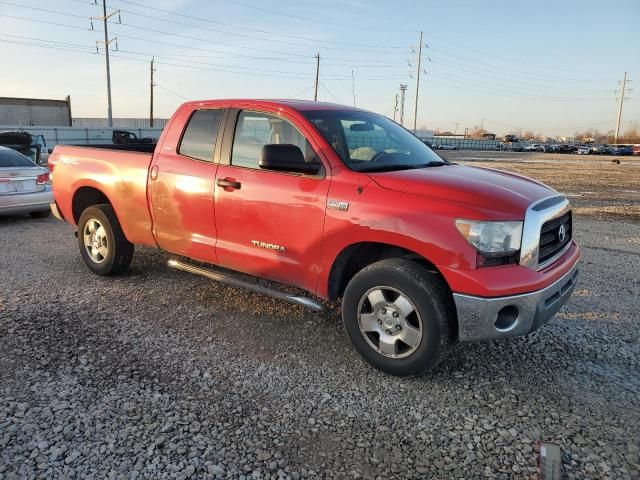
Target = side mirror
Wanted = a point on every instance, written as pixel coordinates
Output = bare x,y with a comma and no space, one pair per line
286,158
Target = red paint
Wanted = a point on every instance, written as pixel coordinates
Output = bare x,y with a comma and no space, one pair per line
184,211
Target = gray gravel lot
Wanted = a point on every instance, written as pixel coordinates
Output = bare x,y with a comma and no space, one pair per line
159,374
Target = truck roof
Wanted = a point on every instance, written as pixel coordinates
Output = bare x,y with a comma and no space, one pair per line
300,105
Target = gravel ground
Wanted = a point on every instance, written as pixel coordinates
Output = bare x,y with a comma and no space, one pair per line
595,184
159,374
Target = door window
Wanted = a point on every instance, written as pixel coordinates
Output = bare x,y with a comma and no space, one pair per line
199,138
254,130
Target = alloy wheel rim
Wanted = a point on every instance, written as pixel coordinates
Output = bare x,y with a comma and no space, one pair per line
390,322
95,240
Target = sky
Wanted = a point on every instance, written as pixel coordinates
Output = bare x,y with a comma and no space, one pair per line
551,67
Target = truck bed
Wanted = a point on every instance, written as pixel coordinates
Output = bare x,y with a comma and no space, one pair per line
118,174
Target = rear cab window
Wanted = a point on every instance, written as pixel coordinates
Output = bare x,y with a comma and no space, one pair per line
199,137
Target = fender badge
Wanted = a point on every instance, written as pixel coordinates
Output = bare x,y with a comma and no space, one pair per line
337,205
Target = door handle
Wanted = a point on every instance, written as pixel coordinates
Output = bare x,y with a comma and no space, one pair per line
228,184
154,172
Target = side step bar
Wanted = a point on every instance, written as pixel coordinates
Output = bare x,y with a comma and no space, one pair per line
236,282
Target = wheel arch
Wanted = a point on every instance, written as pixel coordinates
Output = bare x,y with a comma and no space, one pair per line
85,197
357,256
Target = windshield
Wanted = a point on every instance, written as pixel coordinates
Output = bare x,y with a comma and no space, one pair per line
11,158
368,142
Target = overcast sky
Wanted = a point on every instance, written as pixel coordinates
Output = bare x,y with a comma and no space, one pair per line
547,66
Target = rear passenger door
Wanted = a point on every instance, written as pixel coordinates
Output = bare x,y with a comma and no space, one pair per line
181,185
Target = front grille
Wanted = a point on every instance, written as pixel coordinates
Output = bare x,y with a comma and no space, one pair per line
550,243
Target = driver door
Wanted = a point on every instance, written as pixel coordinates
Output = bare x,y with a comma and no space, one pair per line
269,223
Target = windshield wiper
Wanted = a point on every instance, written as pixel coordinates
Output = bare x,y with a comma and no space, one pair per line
390,168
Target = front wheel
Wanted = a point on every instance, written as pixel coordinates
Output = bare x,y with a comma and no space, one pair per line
103,246
399,316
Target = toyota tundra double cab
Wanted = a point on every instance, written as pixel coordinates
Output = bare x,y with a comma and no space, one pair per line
340,202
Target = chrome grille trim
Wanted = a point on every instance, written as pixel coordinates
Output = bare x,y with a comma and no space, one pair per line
534,219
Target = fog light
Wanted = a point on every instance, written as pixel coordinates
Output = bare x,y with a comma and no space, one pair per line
506,319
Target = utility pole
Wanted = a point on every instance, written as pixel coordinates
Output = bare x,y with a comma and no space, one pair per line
415,111
353,87
106,43
151,102
482,125
622,99
395,108
403,89
456,129
315,93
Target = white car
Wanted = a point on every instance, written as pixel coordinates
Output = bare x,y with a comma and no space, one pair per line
24,186
584,150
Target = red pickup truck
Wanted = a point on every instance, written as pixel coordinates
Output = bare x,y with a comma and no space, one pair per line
340,202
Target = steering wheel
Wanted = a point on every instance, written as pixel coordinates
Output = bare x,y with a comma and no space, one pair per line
378,156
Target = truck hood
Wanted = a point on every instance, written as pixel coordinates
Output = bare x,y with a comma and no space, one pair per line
482,188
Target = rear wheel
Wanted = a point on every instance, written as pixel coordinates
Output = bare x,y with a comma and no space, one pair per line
103,246
41,214
399,316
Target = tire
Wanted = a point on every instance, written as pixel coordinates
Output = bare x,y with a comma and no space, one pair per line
103,246
426,307
41,214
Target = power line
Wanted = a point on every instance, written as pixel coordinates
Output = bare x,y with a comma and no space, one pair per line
523,73
493,86
330,93
308,19
516,127
278,34
500,94
306,89
172,93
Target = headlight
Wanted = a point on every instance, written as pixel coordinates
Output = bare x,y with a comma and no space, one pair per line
492,238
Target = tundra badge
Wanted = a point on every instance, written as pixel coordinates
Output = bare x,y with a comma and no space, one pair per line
268,246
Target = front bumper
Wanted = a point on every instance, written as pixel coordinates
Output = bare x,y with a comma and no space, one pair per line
481,318
17,204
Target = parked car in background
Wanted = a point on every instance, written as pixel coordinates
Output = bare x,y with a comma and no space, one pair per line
584,150
533,147
621,150
44,150
24,186
550,148
31,146
424,253
446,146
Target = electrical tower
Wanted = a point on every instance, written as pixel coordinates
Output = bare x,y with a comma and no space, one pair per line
403,89
623,86
106,43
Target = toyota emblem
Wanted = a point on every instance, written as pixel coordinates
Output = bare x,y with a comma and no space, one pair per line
562,233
